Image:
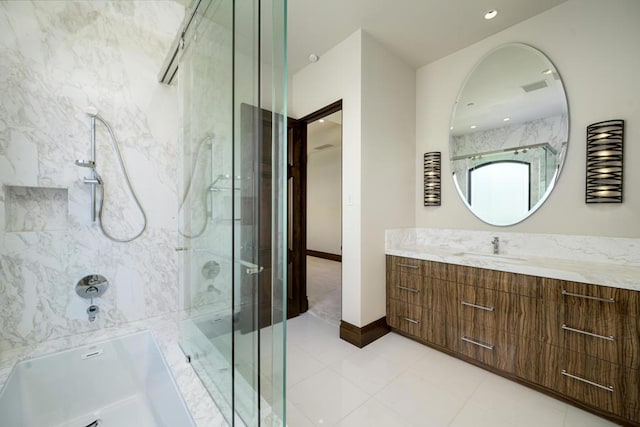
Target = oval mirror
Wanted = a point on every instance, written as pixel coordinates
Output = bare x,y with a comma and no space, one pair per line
508,134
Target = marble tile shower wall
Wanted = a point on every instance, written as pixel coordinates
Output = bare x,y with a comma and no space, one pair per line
544,130
57,58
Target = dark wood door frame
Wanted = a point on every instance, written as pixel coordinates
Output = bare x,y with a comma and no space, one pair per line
297,302
298,169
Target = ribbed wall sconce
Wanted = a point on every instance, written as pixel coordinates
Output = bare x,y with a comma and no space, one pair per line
604,162
432,178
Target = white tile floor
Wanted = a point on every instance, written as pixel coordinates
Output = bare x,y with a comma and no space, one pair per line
396,382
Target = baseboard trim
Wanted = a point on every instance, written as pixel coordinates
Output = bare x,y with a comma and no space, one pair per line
325,255
365,335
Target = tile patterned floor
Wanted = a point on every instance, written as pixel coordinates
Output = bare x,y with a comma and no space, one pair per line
396,382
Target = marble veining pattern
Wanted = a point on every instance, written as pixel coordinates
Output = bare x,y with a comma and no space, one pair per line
58,58
607,261
35,208
547,129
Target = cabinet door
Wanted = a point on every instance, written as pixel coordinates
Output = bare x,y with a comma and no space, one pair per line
519,284
599,299
407,265
632,395
405,286
489,346
405,317
443,313
606,335
596,382
513,313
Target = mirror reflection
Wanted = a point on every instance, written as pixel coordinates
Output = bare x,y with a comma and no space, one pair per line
508,134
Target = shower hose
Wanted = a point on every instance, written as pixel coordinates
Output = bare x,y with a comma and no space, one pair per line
114,142
206,141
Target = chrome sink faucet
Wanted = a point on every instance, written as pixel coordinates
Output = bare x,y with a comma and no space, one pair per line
496,245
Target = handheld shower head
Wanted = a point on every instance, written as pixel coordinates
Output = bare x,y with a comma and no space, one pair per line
86,164
92,111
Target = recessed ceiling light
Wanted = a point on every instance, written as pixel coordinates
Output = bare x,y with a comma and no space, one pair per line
491,14
506,119
547,71
451,128
473,126
321,120
313,57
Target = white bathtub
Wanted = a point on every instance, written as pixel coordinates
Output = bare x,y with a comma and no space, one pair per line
122,382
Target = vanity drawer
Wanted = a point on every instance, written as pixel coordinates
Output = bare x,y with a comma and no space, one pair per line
607,336
487,345
502,281
405,317
596,382
599,299
499,310
403,266
409,288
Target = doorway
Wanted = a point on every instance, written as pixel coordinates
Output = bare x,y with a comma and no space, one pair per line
319,214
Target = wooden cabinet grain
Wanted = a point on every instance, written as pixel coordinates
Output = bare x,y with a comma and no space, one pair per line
575,340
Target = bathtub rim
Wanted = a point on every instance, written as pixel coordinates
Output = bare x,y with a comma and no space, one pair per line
144,332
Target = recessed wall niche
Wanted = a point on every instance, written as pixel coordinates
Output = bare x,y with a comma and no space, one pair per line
35,208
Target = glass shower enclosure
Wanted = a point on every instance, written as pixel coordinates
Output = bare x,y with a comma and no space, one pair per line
230,67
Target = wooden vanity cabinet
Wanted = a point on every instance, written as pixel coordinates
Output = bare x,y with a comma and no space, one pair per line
574,340
412,282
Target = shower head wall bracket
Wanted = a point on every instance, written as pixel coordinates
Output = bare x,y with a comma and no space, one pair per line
94,179
86,163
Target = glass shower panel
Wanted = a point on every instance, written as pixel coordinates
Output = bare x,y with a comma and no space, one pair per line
206,212
232,80
272,352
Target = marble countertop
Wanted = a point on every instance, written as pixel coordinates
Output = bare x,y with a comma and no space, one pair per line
165,328
625,276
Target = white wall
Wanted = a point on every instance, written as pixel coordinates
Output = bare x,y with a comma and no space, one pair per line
593,44
337,75
388,143
324,186
377,153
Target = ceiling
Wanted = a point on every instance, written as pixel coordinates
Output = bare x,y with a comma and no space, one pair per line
494,94
328,132
418,31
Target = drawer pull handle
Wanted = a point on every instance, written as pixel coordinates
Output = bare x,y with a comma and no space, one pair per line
415,267
569,294
481,307
575,377
591,334
415,291
415,322
478,343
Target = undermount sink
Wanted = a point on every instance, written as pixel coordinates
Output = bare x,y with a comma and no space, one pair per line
491,257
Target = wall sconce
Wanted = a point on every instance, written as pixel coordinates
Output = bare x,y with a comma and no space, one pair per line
604,162
432,164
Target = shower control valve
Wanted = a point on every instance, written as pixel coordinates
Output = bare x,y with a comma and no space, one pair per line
92,286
